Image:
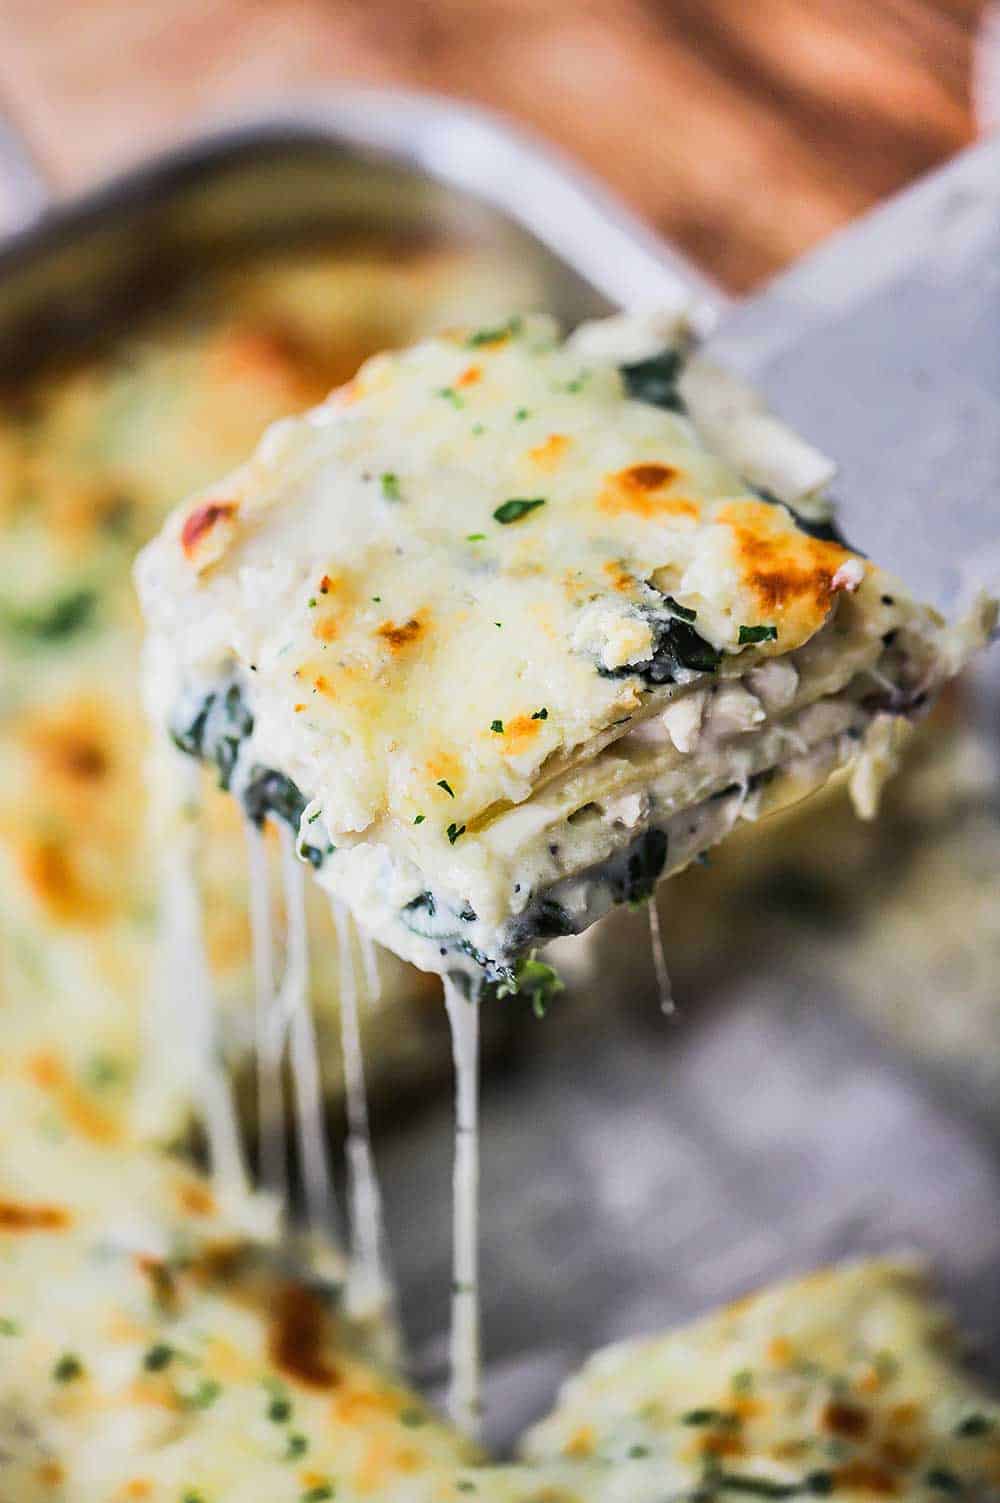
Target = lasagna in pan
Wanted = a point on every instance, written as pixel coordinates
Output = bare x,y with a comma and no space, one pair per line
511,627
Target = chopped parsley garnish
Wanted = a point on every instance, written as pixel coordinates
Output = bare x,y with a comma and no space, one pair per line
974,1424
476,537
466,1487
412,1418
67,1369
516,508
158,1357
102,1070
758,634
418,819
636,1453
742,1382
454,831
317,1494
496,726
756,1487
297,1446
192,1498
204,1396
541,714
450,395
449,790
703,1417
312,602
279,1411
498,625
390,486
680,610
495,336
521,415
9,1327
377,599
945,1481
63,618
536,981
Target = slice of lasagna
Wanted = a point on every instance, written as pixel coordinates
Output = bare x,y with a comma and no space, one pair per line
509,628
841,1384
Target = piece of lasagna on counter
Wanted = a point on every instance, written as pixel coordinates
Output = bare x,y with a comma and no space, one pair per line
511,627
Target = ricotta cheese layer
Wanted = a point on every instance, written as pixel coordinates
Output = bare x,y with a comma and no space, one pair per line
505,638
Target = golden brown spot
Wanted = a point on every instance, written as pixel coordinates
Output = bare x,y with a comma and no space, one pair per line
787,571
620,578
50,1074
470,376
163,1285
865,1474
905,1414
582,1442
640,491
71,749
749,1407
846,1420
548,454
399,637
195,1198
322,685
202,520
519,733
298,709
727,1442
153,1390
898,1453
649,477
16,1216
297,1338
50,871
138,1487
50,1473
780,1351
357,1405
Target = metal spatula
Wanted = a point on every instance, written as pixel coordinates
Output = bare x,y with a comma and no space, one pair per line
883,348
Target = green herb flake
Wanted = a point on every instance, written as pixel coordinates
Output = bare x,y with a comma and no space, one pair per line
418,819
508,330
742,1382
454,831
498,625
758,634
279,1411
516,508
204,1396
67,1369
536,981
636,1453
449,790
317,1494
389,481
478,429
975,1424
944,1481
476,537
297,1446
377,599
412,1418
496,726
522,415
193,1498
466,1487
680,610
158,1357
702,1417
9,1327
541,714
64,617
449,394
312,602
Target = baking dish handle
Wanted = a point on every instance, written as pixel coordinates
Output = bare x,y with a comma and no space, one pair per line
24,192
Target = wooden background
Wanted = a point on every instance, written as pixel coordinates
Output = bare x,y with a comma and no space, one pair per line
744,129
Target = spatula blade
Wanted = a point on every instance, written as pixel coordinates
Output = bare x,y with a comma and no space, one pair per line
883,348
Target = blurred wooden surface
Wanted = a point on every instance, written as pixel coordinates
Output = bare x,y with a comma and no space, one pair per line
744,129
